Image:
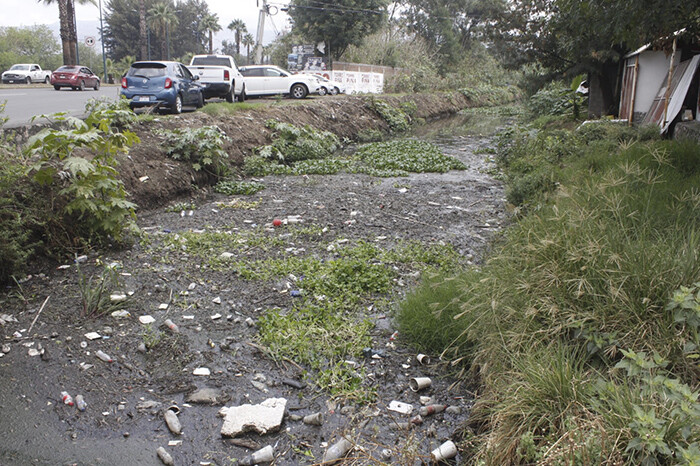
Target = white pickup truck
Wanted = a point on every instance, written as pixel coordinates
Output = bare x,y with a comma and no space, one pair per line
26,73
219,77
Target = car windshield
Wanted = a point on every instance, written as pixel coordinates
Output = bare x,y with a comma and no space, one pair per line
147,70
211,61
19,67
68,69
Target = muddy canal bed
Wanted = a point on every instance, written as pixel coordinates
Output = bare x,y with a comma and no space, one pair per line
219,311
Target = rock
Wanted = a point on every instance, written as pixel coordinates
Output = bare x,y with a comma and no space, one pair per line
262,418
209,396
245,443
146,405
172,421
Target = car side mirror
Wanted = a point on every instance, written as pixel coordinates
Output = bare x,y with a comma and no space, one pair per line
195,77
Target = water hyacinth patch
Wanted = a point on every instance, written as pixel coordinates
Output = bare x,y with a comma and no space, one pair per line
407,155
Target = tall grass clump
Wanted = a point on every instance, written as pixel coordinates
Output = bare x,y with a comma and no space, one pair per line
582,324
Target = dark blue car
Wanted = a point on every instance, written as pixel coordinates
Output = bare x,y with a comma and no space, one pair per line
165,84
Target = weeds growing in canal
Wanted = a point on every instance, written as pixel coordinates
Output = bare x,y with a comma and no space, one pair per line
572,323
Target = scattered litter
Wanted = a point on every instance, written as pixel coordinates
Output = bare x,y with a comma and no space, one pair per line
85,366
6,348
216,300
192,286
171,325
81,259
6,318
146,319
117,297
295,293
34,352
188,317
146,405
403,190
174,443
400,407
294,383
93,336
165,456
172,422
163,306
201,371
103,356
419,383
315,419
337,451
453,410
262,418
67,399
209,396
83,344
250,322
264,455
424,359
63,267
120,314
226,255
80,403
216,316
431,409
444,452
143,179
425,400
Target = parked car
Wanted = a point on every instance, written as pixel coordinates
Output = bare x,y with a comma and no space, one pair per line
76,77
329,87
219,77
163,84
26,73
272,80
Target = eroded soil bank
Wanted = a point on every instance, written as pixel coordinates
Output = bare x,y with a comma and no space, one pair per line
460,208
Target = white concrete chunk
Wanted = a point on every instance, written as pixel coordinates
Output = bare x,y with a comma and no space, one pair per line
262,418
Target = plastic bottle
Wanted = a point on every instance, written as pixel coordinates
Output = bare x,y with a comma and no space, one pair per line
171,325
337,451
102,355
172,422
432,409
67,399
80,403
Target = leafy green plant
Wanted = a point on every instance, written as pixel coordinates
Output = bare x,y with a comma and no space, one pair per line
293,143
88,190
396,118
120,114
232,187
407,155
202,147
180,206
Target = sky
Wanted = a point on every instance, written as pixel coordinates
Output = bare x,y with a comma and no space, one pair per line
30,12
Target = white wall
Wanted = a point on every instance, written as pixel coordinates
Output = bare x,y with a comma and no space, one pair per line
653,72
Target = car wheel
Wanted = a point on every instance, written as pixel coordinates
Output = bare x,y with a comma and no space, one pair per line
322,91
298,91
231,96
335,91
97,85
47,80
28,80
58,88
82,86
200,101
177,106
242,96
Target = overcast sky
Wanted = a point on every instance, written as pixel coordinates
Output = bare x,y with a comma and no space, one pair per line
29,12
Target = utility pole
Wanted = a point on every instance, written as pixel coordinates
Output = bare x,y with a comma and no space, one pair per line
261,30
102,41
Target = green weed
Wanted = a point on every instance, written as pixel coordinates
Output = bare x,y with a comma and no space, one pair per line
231,187
292,143
95,292
225,108
202,147
407,155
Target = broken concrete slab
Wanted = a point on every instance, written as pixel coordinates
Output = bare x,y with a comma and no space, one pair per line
262,418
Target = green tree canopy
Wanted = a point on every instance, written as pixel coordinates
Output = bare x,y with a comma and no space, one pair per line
34,44
339,23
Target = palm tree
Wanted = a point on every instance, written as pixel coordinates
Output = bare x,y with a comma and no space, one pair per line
248,40
238,27
161,17
210,24
69,36
143,34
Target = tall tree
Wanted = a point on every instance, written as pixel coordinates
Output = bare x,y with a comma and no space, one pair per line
162,18
210,24
69,36
239,28
32,44
337,24
248,41
143,32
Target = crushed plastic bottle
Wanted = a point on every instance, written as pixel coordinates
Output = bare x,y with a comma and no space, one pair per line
67,399
171,325
104,356
80,403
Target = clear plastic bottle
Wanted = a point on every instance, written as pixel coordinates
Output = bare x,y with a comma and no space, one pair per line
80,403
67,399
104,356
171,325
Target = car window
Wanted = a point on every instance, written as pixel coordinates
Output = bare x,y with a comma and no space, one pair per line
211,61
35,68
147,70
251,72
68,69
178,71
186,73
272,73
88,71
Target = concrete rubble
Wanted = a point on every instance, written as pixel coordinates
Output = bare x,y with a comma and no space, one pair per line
262,418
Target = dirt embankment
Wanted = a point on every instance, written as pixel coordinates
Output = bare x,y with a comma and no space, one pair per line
345,116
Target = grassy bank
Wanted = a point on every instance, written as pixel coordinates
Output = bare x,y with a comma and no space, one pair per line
582,327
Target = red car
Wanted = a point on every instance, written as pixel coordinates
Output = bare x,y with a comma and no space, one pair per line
76,77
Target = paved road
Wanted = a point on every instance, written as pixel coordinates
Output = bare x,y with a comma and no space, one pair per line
24,102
